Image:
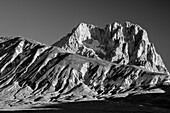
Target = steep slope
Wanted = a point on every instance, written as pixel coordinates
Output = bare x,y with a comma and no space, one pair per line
33,74
122,44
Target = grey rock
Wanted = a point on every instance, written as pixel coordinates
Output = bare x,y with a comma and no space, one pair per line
126,44
33,74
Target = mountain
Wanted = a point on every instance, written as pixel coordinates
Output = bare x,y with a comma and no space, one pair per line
126,44
88,64
33,74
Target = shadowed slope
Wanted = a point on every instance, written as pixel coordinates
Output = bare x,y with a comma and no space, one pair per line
32,73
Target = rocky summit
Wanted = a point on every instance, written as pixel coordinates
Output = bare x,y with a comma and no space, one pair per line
88,64
126,44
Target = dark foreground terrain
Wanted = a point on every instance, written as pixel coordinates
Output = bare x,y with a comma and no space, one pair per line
98,107
147,103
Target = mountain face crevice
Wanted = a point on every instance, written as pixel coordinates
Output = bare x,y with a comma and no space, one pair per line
122,44
88,64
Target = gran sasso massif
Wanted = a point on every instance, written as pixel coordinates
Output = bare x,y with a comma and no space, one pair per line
88,64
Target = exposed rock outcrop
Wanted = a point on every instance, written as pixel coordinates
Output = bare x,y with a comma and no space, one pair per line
122,44
33,73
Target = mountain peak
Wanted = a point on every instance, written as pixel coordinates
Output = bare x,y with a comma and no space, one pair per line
126,44
33,74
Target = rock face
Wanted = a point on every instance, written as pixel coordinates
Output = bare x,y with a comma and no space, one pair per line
126,44
88,64
33,74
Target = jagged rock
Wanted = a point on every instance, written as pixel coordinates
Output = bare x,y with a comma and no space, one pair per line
126,44
32,73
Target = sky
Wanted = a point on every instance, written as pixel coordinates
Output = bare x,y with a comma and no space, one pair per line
48,21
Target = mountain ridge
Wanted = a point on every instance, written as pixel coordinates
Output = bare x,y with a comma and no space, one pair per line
124,44
33,74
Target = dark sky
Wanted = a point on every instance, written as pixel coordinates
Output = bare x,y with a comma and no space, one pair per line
49,20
